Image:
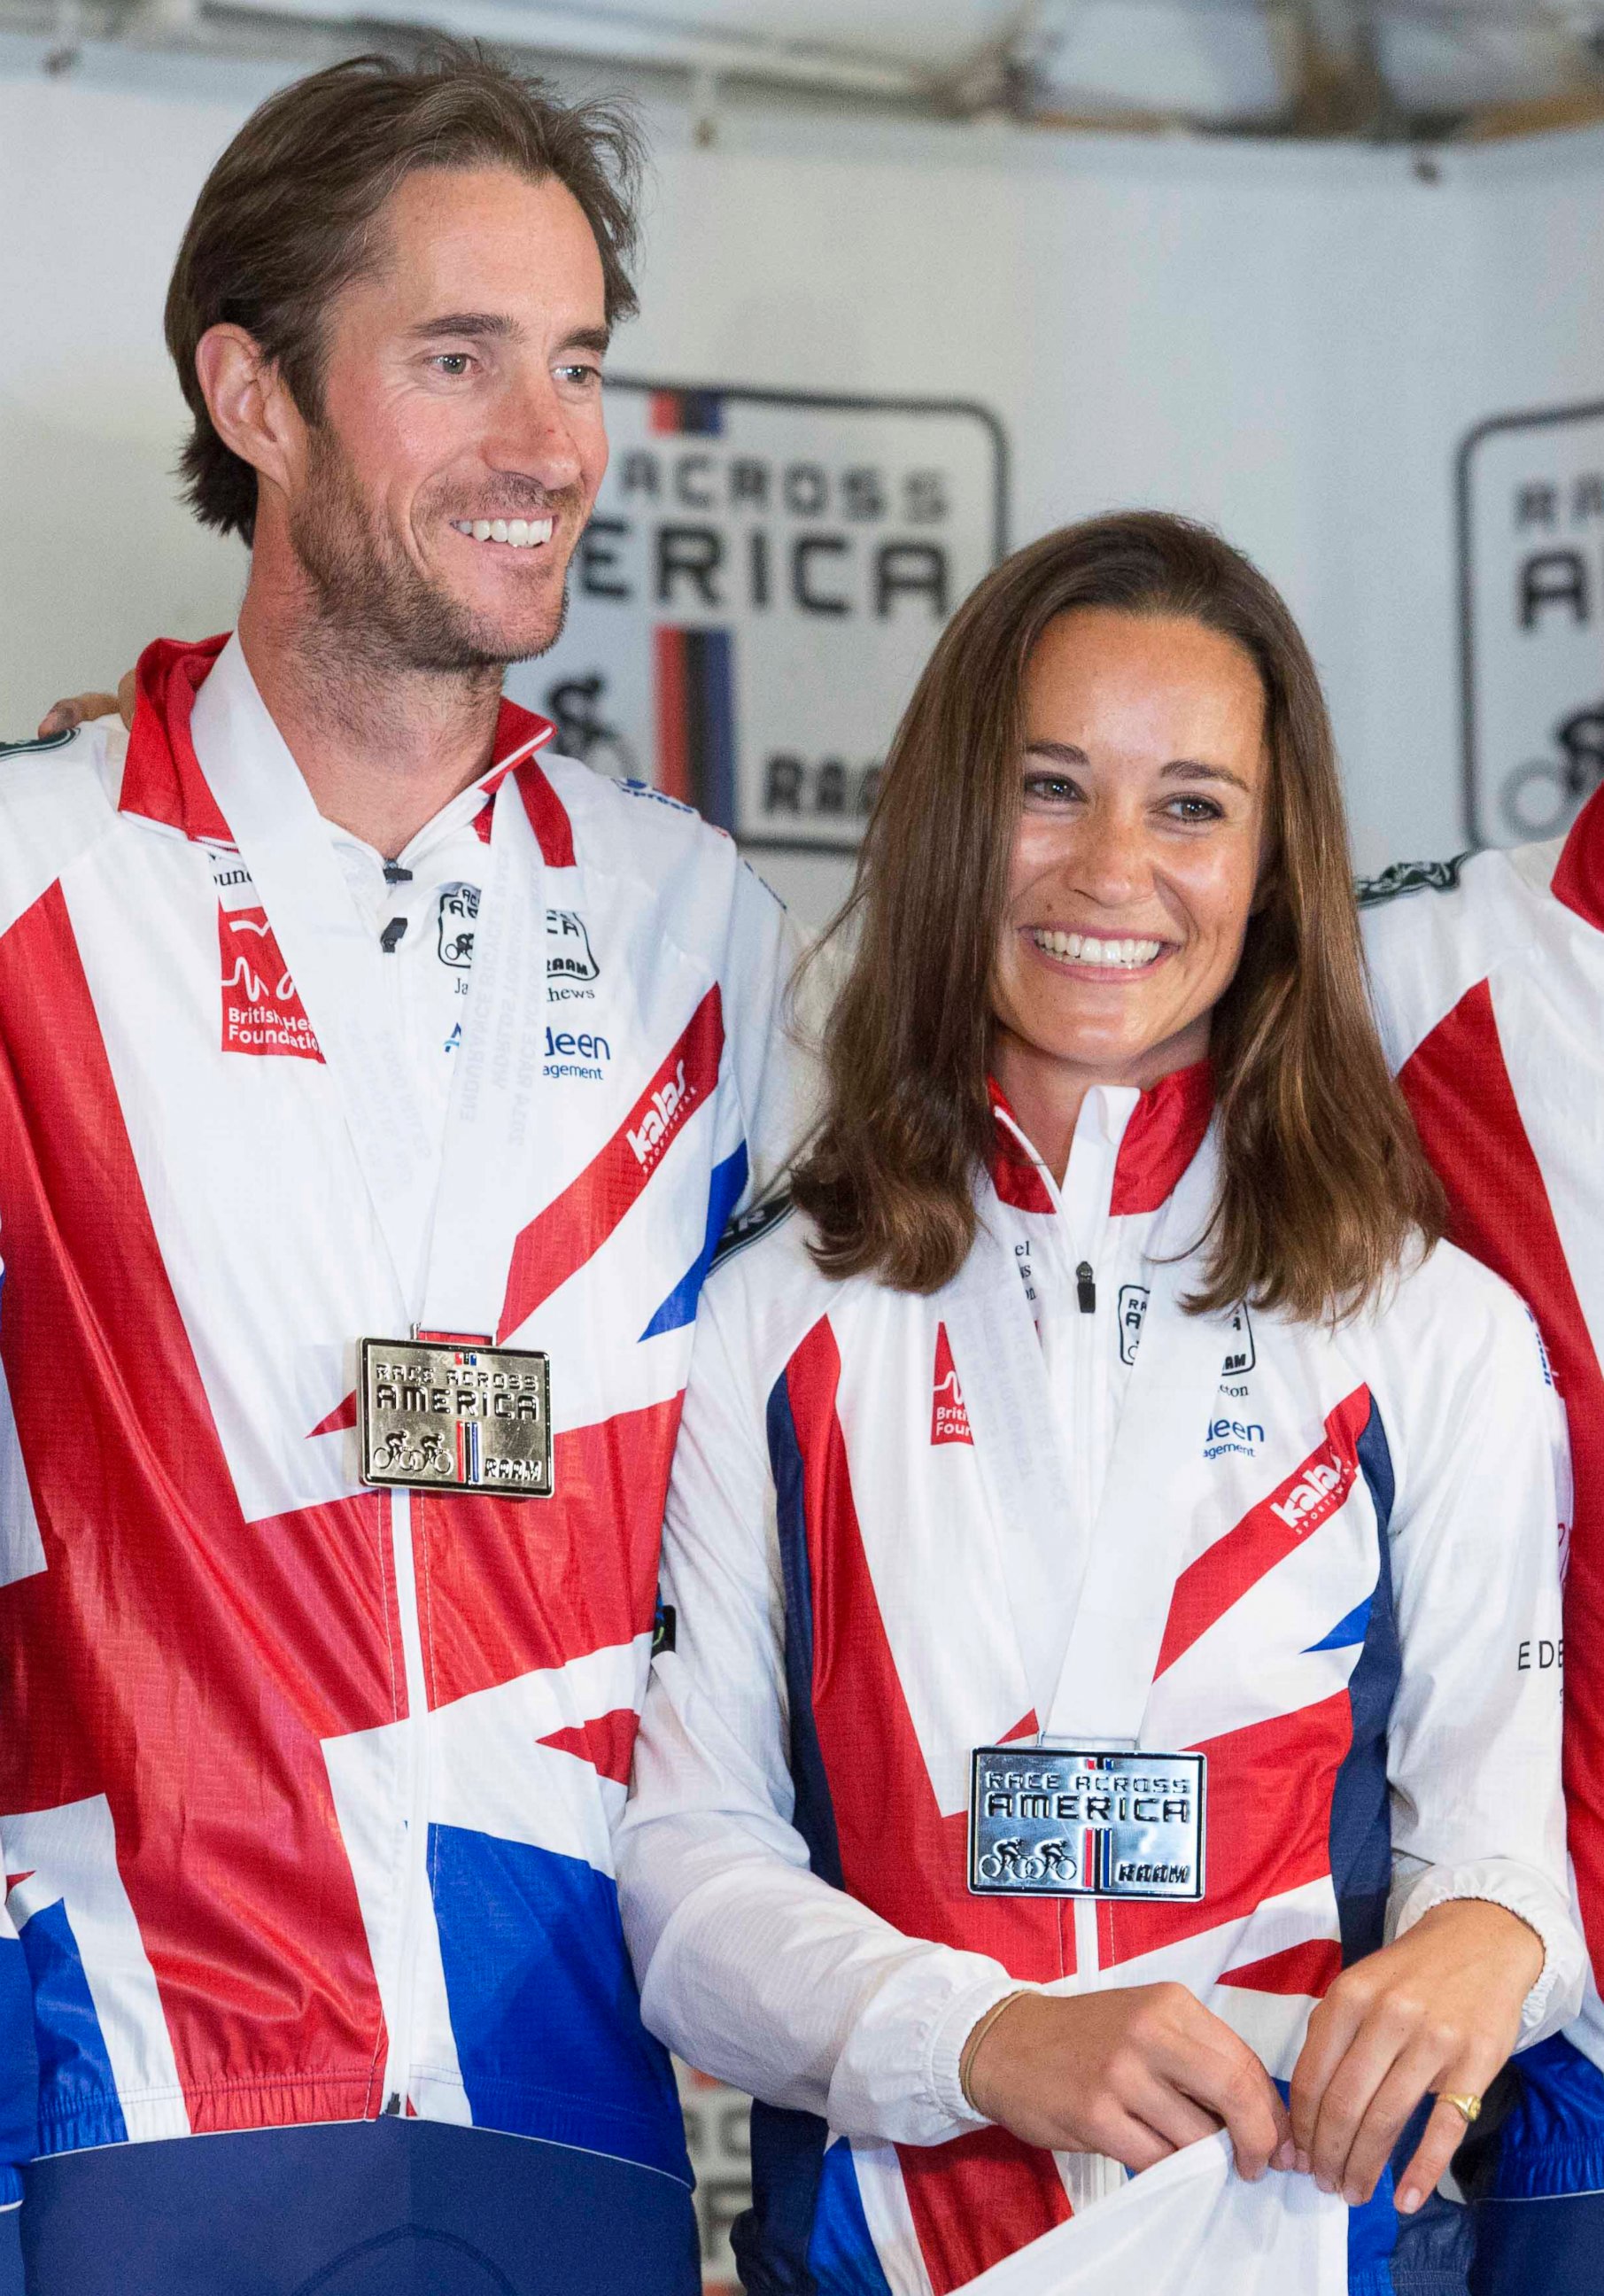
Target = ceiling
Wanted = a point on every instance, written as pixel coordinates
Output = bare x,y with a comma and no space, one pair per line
1413,69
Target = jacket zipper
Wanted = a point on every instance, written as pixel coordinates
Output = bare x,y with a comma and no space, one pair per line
414,1735
414,1742
1081,1437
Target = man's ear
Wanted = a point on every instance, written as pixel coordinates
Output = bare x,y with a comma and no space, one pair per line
250,408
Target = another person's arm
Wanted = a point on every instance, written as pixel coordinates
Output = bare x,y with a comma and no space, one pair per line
76,710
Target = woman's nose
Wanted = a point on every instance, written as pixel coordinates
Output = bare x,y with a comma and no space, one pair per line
1110,862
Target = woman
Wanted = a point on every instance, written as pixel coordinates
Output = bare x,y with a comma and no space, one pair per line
1106,1522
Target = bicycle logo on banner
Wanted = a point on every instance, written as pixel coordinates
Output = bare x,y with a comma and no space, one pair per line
1541,798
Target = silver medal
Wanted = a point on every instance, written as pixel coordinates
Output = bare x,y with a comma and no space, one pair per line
447,1415
1067,1822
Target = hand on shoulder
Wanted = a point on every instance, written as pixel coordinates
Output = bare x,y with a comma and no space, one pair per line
75,709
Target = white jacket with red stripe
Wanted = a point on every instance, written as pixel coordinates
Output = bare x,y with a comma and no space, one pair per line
1346,1545
306,1790
1488,977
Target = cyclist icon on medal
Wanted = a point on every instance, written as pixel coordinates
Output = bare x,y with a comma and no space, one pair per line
1012,1860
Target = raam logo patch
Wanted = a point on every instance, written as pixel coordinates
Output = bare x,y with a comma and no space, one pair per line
459,911
568,947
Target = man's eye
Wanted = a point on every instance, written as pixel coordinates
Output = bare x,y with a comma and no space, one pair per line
454,363
584,375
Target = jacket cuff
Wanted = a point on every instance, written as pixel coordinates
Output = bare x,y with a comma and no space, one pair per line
943,2050
1556,1997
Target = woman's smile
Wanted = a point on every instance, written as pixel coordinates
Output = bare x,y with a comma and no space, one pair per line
1097,956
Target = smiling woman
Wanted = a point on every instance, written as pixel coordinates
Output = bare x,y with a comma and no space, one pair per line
1080,1733
1118,772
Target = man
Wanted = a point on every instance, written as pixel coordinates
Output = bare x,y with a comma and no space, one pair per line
1489,976
375,1087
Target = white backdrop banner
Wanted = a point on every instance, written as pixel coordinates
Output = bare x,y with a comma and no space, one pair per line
765,576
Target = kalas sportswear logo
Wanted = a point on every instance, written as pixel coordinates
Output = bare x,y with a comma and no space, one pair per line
662,1119
262,1012
1314,1491
949,1419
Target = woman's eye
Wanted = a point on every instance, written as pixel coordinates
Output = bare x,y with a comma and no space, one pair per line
1196,809
1052,789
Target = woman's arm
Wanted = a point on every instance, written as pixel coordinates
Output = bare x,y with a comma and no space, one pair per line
1485,1955
750,1964
757,1970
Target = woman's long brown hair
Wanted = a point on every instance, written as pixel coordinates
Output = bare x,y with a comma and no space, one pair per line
1323,1185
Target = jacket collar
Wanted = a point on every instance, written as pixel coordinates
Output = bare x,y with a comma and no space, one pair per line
162,781
1162,1131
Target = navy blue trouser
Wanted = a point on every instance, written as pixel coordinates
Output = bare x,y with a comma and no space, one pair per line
1539,2194
387,2207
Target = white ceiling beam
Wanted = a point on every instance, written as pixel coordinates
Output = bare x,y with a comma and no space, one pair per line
595,33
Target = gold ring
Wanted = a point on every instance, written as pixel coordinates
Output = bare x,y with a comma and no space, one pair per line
1470,2106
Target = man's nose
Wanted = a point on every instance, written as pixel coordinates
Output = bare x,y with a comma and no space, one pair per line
533,436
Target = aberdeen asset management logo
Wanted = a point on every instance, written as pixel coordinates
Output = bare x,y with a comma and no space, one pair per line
949,1421
262,1013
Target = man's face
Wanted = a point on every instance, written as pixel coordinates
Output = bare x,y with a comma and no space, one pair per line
436,504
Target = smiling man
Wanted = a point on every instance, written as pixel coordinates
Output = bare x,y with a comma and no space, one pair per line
347,1317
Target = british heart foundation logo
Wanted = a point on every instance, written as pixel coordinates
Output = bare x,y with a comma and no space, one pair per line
949,1421
261,1011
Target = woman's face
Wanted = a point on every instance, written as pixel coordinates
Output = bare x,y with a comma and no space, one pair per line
1139,846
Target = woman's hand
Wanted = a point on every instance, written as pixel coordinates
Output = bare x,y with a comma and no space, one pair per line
1135,2072
1439,2010
78,709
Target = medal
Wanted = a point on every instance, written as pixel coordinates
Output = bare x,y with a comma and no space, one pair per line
1060,1822
443,1415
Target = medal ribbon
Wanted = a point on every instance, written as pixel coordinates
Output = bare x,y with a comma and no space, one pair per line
448,1222
1122,1577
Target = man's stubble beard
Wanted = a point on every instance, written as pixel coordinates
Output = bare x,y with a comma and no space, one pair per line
378,612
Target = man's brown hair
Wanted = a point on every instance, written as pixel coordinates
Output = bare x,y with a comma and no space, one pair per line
1323,1185
284,220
